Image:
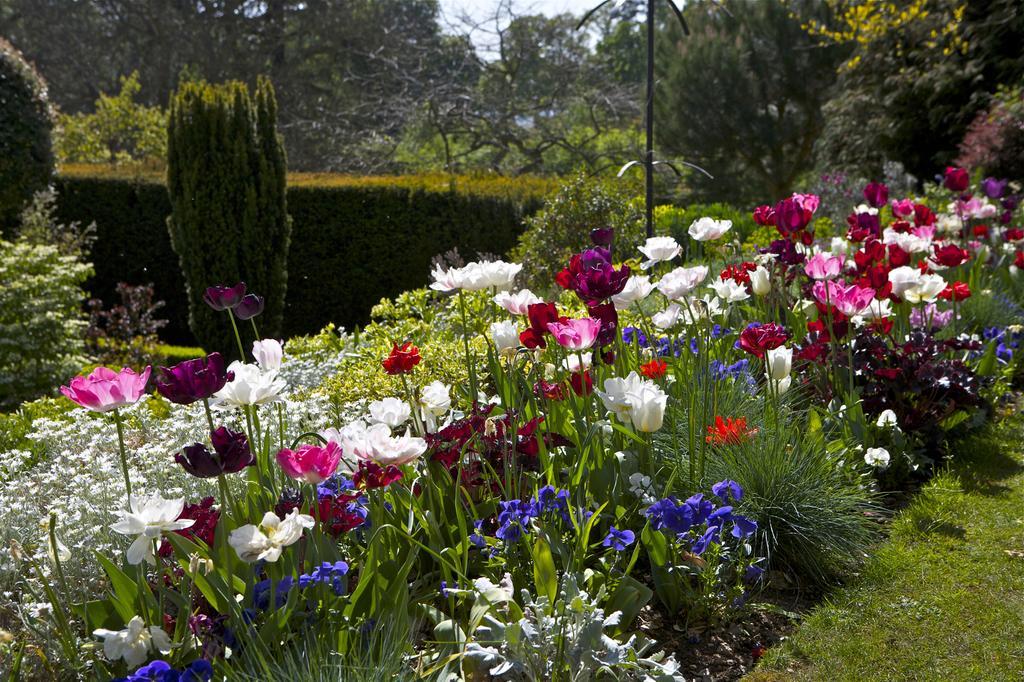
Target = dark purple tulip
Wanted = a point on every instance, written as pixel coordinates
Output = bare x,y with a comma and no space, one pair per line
609,319
193,380
1010,202
876,194
231,454
790,216
221,297
249,307
602,236
993,188
1006,217
595,284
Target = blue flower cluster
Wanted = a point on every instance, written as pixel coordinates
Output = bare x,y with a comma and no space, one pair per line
702,519
514,516
666,346
327,573
199,670
1008,342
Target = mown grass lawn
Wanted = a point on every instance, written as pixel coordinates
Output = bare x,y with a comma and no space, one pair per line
943,597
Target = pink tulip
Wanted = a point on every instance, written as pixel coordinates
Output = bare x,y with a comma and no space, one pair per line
105,389
823,266
310,463
577,334
849,300
903,208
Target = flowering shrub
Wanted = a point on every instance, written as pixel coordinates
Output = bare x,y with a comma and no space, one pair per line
517,475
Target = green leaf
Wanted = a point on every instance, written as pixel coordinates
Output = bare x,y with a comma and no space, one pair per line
545,577
125,589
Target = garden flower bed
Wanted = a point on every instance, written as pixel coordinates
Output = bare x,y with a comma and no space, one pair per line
605,482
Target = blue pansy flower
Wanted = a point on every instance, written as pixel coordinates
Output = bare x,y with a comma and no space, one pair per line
618,539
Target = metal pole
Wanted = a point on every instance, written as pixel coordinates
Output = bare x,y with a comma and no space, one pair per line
649,157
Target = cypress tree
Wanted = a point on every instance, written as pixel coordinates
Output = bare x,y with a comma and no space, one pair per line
226,180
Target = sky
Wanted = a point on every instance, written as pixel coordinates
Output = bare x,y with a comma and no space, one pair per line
480,8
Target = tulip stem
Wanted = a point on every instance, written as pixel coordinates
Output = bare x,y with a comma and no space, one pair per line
209,415
255,331
465,343
124,456
238,337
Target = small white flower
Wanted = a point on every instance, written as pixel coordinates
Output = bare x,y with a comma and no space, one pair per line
708,229
147,519
877,457
519,302
265,541
659,250
390,411
268,354
667,318
134,642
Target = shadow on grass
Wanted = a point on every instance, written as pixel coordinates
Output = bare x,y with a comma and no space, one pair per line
985,465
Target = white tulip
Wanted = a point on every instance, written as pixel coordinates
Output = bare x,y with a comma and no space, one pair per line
926,290
134,642
903,278
265,541
633,400
505,336
681,281
780,363
518,303
147,519
390,411
659,250
435,400
251,386
761,281
708,229
730,290
377,444
638,287
268,354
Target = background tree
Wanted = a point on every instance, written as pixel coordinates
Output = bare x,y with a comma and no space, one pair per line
118,131
917,75
226,181
26,123
741,97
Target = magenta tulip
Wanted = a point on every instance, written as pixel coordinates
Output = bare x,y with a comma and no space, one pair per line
310,463
577,334
106,390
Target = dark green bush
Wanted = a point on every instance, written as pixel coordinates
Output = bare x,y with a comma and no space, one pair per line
563,227
354,242
26,125
226,180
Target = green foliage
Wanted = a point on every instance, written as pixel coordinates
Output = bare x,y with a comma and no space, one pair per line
41,321
563,226
753,124
26,123
226,181
119,130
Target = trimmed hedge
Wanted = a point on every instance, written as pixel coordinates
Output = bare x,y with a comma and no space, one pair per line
354,240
